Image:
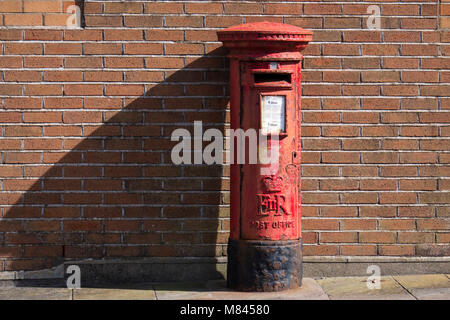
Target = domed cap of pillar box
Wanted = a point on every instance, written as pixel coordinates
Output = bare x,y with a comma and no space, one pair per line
259,37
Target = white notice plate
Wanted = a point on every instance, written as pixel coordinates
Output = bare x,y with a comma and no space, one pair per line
273,114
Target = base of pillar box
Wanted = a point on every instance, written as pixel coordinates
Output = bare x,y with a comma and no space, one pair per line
264,265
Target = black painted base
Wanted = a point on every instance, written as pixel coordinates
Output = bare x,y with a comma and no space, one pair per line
264,265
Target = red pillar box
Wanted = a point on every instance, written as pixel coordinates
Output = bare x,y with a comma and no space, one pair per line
264,249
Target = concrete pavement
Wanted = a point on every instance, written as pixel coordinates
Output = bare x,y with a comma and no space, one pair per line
409,287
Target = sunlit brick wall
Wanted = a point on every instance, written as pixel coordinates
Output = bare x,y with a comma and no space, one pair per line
37,13
86,117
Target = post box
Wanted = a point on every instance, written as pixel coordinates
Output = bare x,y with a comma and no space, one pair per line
264,248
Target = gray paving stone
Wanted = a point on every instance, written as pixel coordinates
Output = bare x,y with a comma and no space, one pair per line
34,293
422,287
432,293
423,281
216,290
355,288
113,294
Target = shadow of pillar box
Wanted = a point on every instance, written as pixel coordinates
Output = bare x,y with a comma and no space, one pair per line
264,250
116,194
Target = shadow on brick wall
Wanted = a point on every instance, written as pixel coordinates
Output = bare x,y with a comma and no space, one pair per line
116,193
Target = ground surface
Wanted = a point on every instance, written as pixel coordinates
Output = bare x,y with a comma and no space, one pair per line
410,287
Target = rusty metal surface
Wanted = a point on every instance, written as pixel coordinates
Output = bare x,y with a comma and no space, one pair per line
264,265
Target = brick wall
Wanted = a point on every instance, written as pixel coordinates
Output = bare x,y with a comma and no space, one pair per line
86,117
47,13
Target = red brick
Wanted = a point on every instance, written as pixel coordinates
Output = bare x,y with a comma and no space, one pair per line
416,184
23,48
102,76
10,6
338,237
124,90
338,211
378,184
41,144
222,22
320,250
419,131
42,6
82,117
123,7
43,62
63,48
397,224
82,225
123,225
377,211
143,48
42,117
339,184
341,76
63,76
396,250
361,144
143,21
379,131
404,63
340,157
320,224
400,9
125,34
415,211
415,237
23,131
401,36
102,48
84,35
171,35
358,250
358,224
322,9
377,237
166,7
365,171
19,19
83,89
203,7
419,23
83,62
361,197
124,62
398,197
62,103
315,198
362,36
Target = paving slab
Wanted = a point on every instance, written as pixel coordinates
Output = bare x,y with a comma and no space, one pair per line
216,290
423,281
426,286
34,293
113,294
355,288
431,294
